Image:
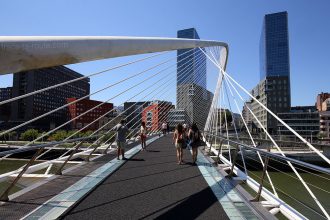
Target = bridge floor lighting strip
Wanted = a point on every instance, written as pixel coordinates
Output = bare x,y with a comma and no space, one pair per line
230,200
56,206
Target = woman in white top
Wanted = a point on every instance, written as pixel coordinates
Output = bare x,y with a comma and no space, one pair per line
143,135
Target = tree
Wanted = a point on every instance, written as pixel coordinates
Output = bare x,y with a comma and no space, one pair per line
228,115
29,135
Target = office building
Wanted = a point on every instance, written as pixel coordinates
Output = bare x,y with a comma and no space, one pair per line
305,120
82,106
176,116
192,95
38,104
5,94
273,90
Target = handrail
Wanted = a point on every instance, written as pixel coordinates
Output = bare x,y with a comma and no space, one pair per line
307,165
35,147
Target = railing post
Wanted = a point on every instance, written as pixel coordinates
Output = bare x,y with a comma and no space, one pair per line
261,185
220,148
4,197
211,142
230,175
106,149
257,198
59,170
98,143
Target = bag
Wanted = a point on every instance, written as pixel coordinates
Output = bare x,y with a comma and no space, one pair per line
180,139
195,140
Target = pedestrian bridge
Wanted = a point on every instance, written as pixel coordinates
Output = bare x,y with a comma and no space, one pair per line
234,177
149,185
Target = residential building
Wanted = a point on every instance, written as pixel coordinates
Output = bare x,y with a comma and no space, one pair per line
38,104
82,106
156,114
320,100
247,115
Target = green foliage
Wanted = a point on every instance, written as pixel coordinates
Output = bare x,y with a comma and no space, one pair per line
29,135
58,135
111,134
229,117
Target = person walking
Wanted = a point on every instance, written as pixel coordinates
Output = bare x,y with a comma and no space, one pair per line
143,135
164,128
194,138
168,127
121,130
178,139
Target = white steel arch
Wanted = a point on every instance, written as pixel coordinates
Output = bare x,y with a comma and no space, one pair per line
20,53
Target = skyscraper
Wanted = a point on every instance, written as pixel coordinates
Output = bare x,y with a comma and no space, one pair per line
192,95
273,89
189,60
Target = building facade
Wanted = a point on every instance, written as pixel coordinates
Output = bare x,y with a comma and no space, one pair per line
320,99
5,94
305,120
36,105
188,61
133,113
273,90
156,114
84,105
192,95
325,126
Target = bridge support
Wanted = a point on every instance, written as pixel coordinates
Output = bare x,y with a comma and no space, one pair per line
4,196
59,170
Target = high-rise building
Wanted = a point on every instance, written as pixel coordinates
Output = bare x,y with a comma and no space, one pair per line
192,95
84,105
189,60
273,89
5,93
38,104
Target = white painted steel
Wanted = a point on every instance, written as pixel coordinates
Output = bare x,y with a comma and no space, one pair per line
19,53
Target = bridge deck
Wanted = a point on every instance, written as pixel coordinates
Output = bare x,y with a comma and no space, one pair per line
149,185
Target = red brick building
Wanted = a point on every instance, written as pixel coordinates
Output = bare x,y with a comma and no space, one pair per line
84,105
155,114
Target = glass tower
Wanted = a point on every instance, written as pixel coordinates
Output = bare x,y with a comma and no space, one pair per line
274,46
191,67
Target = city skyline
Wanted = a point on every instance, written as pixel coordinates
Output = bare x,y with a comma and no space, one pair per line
243,62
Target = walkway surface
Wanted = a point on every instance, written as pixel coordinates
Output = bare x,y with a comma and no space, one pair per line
152,185
149,185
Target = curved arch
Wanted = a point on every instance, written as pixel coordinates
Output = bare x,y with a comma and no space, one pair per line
20,53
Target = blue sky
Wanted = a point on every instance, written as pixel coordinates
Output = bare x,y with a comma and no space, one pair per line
236,22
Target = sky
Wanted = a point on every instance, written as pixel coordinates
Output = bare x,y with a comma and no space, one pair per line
235,22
